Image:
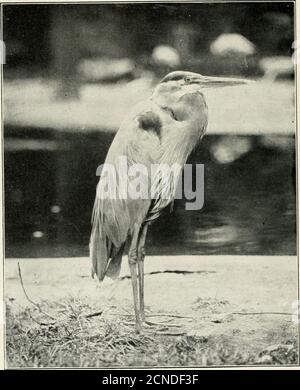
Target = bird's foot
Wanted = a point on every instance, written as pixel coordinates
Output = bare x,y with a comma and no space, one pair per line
162,324
170,316
167,323
157,328
150,324
170,332
165,326
144,325
153,328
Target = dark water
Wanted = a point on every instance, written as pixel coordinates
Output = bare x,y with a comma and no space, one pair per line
249,204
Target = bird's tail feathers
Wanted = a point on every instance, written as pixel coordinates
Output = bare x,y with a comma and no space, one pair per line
105,256
99,253
114,266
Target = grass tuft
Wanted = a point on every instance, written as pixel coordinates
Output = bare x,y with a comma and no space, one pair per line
72,340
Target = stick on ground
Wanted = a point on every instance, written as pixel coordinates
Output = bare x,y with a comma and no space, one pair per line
29,299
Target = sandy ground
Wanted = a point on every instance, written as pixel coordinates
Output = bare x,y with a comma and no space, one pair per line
240,110
218,292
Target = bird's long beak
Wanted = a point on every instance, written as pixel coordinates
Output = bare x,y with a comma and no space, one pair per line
215,82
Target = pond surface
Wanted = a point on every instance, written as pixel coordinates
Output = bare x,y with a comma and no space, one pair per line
249,206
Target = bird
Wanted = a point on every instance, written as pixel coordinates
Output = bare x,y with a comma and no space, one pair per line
162,129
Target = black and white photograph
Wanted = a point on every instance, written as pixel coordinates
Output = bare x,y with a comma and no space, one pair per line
149,162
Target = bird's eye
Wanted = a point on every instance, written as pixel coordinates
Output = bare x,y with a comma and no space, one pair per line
187,79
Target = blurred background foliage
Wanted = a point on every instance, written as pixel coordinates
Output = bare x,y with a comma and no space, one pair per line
53,38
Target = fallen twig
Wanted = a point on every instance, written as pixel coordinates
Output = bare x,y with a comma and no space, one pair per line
29,299
99,313
151,315
40,323
179,272
170,315
171,333
262,312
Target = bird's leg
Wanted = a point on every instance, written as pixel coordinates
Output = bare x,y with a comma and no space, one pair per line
141,257
141,286
132,260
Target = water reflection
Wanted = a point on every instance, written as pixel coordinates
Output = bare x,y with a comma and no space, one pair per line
249,203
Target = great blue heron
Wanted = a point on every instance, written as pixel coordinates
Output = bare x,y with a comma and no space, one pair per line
164,129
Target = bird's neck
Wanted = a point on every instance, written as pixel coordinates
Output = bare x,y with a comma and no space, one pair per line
184,107
164,98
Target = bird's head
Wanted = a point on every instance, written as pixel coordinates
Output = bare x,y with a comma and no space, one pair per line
182,82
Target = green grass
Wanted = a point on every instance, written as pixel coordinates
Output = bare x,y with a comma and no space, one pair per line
60,335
